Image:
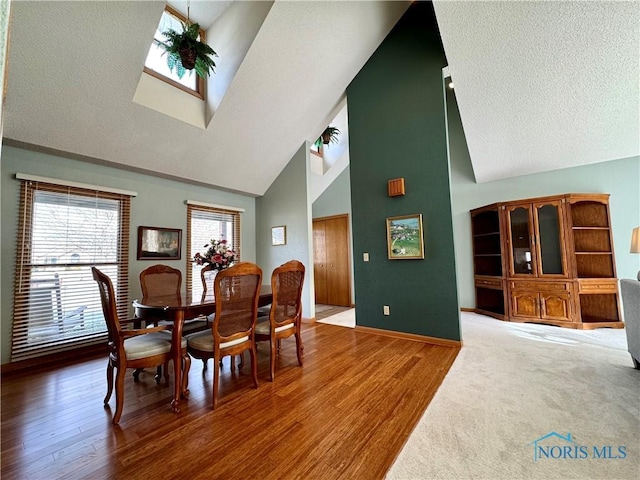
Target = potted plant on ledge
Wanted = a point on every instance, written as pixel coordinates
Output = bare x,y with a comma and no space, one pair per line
330,135
185,52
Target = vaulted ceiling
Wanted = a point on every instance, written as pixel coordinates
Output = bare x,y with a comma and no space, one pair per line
540,85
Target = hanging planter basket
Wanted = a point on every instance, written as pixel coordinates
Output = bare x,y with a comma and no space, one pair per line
330,135
188,55
185,52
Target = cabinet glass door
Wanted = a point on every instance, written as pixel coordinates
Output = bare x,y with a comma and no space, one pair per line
548,217
520,241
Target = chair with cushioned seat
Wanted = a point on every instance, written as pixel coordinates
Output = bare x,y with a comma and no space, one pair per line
159,280
285,315
135,348
236,290
207,276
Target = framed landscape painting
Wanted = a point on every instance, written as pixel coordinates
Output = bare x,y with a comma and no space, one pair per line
159,243
404,237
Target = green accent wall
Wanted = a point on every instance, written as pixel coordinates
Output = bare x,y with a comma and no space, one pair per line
397,128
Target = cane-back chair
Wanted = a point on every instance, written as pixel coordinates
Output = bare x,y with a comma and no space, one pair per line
236,291
131,348
285,315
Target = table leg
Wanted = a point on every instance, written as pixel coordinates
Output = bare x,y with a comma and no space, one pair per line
176,341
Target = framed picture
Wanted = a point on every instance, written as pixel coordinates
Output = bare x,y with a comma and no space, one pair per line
279,235
159,243
404,237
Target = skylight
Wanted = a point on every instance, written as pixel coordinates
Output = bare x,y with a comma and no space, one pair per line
156,62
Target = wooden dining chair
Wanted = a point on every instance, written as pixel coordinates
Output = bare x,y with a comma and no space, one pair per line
285,315
236,290
131,348
159,280
207,277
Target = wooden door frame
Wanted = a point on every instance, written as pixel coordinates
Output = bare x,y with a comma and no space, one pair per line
349,258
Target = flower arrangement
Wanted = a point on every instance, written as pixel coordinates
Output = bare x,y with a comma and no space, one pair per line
218,255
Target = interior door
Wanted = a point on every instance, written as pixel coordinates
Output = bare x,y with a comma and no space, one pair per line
319,261
331,260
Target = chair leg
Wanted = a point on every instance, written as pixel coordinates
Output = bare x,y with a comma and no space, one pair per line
216,374
299,346
254,364
204,364
136,375
186,366
158,375
275,348
119,394
241,361
109,382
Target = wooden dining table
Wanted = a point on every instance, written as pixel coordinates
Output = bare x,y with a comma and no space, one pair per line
176,308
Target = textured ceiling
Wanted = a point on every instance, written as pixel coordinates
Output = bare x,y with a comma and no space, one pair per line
540,85
74,68
544,85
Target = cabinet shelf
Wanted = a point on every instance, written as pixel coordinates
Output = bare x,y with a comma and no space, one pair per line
593,253
564,245
589,214
590,228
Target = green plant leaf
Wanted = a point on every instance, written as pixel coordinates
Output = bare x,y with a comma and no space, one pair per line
171,61
204,63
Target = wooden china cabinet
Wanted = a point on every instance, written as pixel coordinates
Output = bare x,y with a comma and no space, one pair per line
547,260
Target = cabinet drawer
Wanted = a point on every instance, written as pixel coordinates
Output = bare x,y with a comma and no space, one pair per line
488,283
538,286
597,286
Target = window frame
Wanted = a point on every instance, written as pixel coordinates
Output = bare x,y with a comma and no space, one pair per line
27,285
200,91
235,241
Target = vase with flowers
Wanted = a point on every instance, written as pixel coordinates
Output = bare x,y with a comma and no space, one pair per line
217,254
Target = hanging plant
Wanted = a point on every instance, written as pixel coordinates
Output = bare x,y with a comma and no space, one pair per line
185,52
330,135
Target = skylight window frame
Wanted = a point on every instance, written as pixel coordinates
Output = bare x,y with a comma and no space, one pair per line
200,91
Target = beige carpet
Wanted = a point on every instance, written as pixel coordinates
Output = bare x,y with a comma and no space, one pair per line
514,384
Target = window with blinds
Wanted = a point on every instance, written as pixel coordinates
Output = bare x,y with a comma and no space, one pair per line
203,225
63,232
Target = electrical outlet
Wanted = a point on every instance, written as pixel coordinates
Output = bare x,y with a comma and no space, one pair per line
365,257
385,309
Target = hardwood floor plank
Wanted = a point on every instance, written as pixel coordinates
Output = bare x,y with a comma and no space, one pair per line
345,414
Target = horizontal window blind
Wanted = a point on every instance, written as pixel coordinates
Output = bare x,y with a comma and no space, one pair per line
63,231
203,225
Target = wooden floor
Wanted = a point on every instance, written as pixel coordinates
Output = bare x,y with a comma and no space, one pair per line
344,415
